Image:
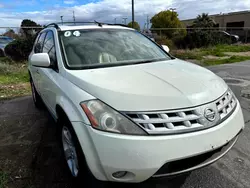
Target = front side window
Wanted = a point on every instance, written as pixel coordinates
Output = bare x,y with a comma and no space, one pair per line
49,47
39,44
108,47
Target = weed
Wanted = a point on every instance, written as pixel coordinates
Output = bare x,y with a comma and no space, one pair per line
14,80
13,73
3,179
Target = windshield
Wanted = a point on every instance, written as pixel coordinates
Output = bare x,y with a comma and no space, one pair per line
105,47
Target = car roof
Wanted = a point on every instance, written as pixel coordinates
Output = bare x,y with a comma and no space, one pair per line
88,26
65,28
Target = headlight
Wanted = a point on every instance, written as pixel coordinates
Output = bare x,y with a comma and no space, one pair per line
104,118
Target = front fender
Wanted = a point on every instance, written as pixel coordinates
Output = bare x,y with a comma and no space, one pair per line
69,100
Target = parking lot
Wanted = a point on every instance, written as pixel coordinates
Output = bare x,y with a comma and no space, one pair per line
30,151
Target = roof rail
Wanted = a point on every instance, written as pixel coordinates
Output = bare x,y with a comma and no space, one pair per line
119,25
53,24
56,25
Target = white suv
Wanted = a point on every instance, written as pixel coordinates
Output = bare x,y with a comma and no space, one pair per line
127,109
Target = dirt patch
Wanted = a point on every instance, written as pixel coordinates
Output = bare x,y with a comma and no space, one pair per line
212,57
245,54
14,90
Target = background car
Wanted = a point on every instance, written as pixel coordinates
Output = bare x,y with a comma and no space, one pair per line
231,37
4,41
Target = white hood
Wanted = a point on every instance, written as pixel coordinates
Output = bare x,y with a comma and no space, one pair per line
161,85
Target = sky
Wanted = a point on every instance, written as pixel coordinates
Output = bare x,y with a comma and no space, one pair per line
12,12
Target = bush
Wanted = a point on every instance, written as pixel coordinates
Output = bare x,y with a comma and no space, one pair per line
204,38
19,49
165,41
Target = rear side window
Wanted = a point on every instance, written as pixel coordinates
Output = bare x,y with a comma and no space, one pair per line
49,47
39,44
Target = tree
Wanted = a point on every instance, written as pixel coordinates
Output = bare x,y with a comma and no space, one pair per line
168,19
30,31
136,25
203,21
204,33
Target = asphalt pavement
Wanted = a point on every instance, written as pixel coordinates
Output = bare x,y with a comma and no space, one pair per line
30,150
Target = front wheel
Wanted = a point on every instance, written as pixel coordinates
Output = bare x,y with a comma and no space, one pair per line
75,158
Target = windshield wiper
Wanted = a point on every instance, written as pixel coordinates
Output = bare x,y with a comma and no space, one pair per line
149,61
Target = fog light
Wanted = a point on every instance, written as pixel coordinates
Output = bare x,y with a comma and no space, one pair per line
119,174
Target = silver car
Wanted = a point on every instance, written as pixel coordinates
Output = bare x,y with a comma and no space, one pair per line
4,41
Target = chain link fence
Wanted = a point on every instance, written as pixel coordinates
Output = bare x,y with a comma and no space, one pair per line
180,37
243,33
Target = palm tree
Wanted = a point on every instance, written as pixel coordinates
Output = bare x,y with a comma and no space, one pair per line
204,21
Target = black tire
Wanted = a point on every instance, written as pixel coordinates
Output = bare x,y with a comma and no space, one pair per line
35,96
84,177
1,53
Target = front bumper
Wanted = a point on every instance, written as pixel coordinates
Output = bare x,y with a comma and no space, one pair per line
143,156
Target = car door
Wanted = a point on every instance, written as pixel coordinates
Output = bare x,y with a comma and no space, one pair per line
36,77
49,76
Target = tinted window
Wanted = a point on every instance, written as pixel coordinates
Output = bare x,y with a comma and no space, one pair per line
49,47
39,44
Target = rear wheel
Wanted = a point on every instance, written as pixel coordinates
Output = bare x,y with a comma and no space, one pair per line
2,53
74,156
35,96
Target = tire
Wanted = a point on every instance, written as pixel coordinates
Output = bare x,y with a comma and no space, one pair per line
1,53
35,96
82,175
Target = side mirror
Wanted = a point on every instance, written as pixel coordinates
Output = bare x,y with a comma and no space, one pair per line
40,60
166,48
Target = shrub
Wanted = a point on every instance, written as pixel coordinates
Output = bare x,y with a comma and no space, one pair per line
165,41
19,49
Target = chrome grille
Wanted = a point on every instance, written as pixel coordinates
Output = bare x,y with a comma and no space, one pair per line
168,122
226,104
185,120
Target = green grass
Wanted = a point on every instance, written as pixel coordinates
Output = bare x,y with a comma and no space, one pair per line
3,179
14,79
12,73
218,51
231,48
232,59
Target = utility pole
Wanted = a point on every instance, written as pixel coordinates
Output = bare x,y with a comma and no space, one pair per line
115,20
74,18
133,14
173,10
62,19
147,22
125,21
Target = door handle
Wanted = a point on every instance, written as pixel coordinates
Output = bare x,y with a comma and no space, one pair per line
37,71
